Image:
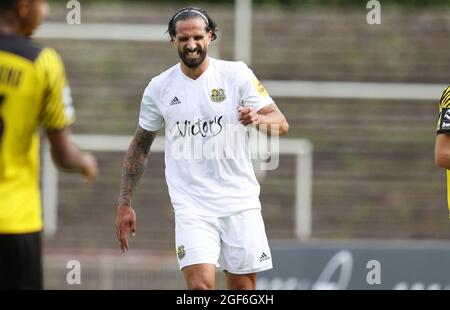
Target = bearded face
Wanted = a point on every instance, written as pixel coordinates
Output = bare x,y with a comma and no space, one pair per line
192,41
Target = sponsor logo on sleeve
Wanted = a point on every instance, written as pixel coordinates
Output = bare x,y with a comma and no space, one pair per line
260,88
445,119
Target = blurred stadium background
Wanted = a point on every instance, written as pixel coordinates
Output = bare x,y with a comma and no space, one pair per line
375,187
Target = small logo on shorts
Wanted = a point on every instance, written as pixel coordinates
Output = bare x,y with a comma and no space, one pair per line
181,252
263,257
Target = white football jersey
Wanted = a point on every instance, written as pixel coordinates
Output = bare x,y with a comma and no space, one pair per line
208,164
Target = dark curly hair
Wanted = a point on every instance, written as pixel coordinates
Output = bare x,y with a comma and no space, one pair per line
189,13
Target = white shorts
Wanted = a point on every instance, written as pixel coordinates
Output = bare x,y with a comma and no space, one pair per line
236,243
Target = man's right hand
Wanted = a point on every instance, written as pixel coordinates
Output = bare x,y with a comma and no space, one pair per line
90,168
67,156
125,223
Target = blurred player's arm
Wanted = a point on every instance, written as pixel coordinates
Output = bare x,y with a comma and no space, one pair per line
57,114
132,169
68,156
269,115
442,151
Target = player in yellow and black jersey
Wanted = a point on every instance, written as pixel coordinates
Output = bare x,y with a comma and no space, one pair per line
33,93
442,149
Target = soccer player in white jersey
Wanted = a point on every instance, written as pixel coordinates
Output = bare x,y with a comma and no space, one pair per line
215,199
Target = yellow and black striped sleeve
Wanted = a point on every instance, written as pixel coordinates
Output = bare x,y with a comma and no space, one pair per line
57,111
443,123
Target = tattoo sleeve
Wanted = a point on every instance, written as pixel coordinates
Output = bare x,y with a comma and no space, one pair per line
134,163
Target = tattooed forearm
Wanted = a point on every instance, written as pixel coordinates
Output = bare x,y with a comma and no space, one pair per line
134,163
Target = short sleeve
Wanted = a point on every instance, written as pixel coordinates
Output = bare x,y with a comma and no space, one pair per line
150,117
253,93
443,123
57,110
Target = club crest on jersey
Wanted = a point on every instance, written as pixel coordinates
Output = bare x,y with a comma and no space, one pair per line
218,95
181,252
